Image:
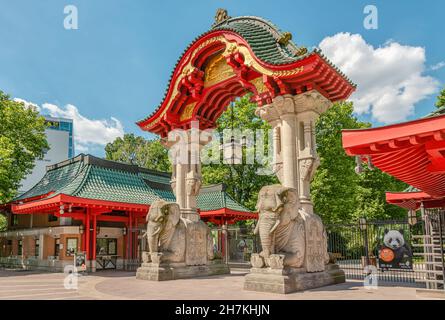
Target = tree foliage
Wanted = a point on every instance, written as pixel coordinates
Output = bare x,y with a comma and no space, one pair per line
22,141
339,194
136,150
3,222
441,99
242,180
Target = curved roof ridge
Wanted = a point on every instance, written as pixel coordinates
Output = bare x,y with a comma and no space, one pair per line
80,180
236,203
42,186
272,28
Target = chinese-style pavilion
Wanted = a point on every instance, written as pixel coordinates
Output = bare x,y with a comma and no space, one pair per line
110,199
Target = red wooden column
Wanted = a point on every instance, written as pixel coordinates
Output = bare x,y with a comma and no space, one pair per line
87,235
130,236
84,235
135,245
94,237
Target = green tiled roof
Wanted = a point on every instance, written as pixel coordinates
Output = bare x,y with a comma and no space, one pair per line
411,189
262,36
89,177
438,112
154,176
54,180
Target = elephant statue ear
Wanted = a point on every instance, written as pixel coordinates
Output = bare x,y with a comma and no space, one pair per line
280,198
258,203
174,213
153,212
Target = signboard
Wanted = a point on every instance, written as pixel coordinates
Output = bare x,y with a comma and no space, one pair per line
80,261
394,251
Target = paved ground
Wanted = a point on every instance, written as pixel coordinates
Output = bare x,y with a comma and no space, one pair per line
123,285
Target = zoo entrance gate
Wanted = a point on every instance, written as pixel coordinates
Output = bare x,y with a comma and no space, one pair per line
355,246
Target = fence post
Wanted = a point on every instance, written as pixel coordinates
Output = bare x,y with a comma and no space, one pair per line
441,213
363,227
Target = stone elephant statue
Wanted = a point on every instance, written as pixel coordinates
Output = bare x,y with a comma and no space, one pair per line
165,233
289,236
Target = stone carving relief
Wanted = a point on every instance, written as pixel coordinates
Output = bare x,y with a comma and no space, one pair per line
165,233
289,237
197,244
173,239
193,183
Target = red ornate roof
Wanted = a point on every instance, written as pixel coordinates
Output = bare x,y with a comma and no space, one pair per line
413,200
411,151
240,55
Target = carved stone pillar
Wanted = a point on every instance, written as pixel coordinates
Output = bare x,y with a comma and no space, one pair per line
185,148
309,106
294,252
269,114
177,142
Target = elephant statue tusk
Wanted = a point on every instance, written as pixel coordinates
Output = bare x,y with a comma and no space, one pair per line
275,226
156,231
257,228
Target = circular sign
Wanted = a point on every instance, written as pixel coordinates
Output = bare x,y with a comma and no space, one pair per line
387,255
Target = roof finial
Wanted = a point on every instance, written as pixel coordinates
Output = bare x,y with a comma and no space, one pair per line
221,15
285,38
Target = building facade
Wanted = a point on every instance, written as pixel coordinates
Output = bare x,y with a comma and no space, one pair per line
60,139
99,207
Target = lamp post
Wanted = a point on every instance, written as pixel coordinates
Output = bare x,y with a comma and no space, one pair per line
412,217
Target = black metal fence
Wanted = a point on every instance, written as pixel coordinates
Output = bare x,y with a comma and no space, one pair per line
393,250
356,246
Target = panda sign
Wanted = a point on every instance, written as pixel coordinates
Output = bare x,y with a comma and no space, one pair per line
395,252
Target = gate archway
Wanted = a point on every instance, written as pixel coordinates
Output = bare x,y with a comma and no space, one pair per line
290,84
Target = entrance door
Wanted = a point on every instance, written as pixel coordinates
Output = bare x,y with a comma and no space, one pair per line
106,253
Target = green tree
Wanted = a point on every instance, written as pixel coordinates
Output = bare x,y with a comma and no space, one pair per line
441,99
242,180
339,194
3,222
22,141
136,150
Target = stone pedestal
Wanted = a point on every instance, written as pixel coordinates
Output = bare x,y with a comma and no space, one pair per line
289,280
179,247
156,272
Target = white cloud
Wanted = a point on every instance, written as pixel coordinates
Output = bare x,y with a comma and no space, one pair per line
88,133
27,104
438,66
390,79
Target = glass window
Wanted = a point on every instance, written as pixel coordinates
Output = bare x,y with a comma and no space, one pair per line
57,248
37,247
20,249
71,246
112,246
52,218
14,220
106,246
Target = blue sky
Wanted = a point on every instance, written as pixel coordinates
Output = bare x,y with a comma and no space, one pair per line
114,69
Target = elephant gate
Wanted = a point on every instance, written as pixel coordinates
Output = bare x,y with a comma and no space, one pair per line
292,87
